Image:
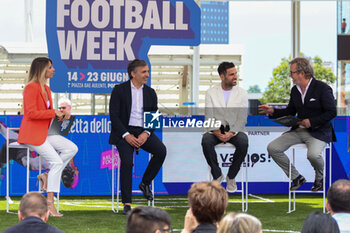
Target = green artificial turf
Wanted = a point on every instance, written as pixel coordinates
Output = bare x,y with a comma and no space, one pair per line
94,214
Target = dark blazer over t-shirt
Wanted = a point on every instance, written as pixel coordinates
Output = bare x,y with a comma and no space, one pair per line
120,108
319,107
32,225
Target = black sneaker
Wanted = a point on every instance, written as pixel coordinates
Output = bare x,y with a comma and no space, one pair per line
318,186
297,182
126,210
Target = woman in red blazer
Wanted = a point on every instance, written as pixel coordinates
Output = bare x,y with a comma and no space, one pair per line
37,117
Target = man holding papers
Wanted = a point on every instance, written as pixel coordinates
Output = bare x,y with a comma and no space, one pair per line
313,103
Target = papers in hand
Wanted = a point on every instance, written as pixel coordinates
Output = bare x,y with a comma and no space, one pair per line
61,127
288,121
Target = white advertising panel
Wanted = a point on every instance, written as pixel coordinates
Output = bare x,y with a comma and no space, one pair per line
185,161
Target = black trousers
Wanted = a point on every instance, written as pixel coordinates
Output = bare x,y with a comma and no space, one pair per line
154,146
240,141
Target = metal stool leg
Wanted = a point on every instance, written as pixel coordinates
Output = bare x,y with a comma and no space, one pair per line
8,146
113,181
39,186
244,191
7,171
58,202
290,193
28,165
149,202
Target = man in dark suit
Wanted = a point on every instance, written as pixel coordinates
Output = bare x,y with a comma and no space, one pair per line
128,102
313,102
33,214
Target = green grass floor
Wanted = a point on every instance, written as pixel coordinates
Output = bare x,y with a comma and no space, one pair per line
94,214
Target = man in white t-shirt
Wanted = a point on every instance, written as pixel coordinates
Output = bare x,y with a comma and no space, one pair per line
228,104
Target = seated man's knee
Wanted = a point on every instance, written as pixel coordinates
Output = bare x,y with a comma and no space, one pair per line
242,139
207,140
314,157
272,148
162,151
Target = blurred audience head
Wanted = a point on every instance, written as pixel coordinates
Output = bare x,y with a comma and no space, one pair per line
338,197
208,201
33,204
239,223
65,105
144,219
318,222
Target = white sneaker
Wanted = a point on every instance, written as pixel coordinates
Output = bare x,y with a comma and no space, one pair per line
220,179
231,186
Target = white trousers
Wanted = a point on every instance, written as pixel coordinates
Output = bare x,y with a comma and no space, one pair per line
57,151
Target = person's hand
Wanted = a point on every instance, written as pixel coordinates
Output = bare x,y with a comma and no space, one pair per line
229,135
306,123
132,140
266,109
219,135
142,138
65,116
223,137
59,115
190,222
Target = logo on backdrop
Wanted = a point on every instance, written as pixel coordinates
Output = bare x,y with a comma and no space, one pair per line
151,120
91,42
251,159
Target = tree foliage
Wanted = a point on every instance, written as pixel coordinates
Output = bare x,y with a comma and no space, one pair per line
279,86
254,89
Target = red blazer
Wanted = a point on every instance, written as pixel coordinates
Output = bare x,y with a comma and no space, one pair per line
37,116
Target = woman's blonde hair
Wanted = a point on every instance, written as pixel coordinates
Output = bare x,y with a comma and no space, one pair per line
239,223
38,69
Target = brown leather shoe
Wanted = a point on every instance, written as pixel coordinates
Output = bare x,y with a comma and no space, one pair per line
297,182
318,186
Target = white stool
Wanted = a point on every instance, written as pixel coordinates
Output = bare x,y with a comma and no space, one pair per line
19,146
244,179
8,147
118,179
323,191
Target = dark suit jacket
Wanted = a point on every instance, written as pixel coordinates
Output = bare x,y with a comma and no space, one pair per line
120,108
32,225
319,107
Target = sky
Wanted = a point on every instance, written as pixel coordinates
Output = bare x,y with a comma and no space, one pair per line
262,27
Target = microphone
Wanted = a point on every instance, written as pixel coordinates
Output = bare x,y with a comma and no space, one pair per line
137,150
222,129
